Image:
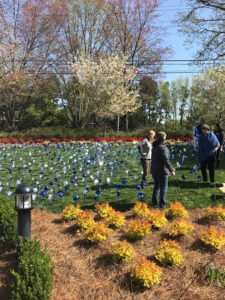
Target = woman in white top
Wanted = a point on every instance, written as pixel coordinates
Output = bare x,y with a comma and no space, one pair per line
145,149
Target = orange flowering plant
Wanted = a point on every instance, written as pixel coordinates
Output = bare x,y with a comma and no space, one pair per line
71,212
97,232
141,209
146,272
216,213
116,219
103,210
213,238
169,252
176,210
85,220
157,218
137,230
122,251
180,227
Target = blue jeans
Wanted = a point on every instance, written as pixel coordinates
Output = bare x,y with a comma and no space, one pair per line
160,184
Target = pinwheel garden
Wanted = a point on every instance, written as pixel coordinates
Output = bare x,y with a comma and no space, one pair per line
99,171
104,237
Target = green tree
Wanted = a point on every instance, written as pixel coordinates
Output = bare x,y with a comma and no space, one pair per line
174,99
183,92
211,85
149,96
164,106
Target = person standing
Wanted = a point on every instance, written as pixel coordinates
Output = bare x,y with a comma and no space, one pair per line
220,136
145,149
208,145
160,169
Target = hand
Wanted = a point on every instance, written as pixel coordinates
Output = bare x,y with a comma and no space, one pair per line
212,152
173,173
144,153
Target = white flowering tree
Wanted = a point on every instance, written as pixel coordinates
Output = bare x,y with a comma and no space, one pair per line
111,83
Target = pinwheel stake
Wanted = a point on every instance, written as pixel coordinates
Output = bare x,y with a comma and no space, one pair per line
24,205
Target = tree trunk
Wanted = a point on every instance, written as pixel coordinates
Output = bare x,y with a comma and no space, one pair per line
127,122
118,123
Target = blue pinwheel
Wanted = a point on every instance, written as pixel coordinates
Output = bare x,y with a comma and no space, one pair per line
141,196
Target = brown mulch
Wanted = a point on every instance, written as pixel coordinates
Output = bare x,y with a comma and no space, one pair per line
84,271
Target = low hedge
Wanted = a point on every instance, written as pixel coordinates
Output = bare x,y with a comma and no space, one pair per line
33,277
88,133
8,225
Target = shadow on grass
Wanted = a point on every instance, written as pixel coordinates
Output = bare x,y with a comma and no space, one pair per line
58,221
199,246
105,261
85,244
217,197
177,238
71,229
129,285
204,221
189,184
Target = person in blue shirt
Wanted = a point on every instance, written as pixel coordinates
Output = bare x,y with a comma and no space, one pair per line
220,136
208,145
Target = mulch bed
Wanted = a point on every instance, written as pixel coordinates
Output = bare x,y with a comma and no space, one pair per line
85,271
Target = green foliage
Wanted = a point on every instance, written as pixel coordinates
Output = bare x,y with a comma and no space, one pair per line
7,222
216,274
33,277
94,132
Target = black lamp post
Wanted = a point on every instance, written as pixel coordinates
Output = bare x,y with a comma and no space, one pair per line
23,205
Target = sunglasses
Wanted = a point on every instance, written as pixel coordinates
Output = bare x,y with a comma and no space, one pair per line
205,128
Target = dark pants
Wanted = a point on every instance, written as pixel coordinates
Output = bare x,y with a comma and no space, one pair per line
146,164
218,158
160,185
210,163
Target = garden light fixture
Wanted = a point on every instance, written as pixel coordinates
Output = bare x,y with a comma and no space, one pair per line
23,205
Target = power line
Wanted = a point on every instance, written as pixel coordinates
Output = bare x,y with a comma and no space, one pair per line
162,60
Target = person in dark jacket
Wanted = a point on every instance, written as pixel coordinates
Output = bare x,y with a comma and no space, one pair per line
160,169
208,145
220,136
145,149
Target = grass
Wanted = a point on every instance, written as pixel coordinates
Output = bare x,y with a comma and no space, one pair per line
216,275
40,165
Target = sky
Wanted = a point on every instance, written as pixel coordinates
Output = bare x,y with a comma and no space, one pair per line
167,11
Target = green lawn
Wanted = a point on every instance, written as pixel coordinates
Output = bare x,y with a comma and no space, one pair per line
121,162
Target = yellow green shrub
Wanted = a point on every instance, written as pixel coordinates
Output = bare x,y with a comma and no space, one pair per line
157,218
137,230
213,238
97,232
168,253
141,209
71,212
180,227
122,251
176,210
85,220
103,210
116,219
145,272
216,213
